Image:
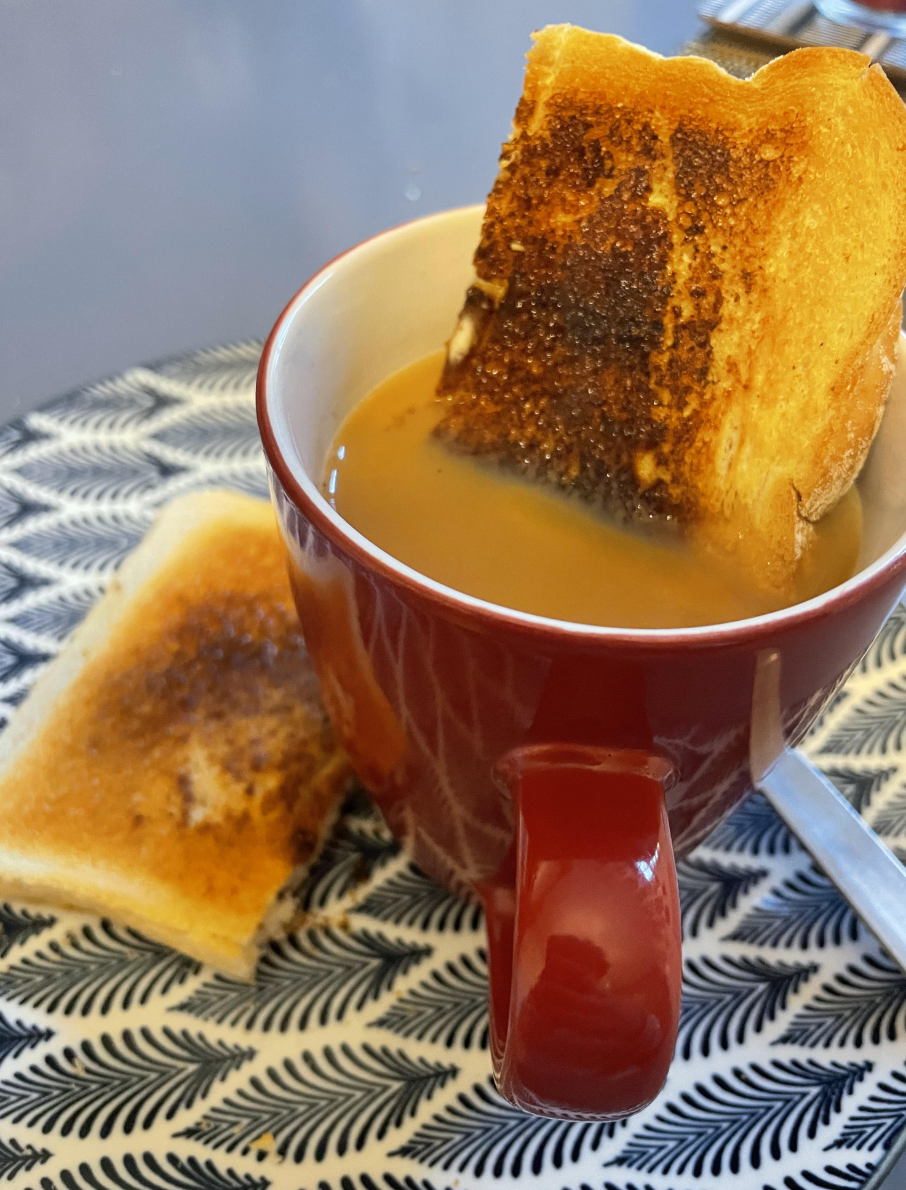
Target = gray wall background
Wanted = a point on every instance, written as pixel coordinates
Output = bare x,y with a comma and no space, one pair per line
171,171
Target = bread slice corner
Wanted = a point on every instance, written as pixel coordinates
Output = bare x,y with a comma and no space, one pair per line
173,768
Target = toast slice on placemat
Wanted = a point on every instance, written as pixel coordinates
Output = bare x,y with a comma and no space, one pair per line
173,767
687,293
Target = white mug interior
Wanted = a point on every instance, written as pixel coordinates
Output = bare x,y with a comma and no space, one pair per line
380,306
394,299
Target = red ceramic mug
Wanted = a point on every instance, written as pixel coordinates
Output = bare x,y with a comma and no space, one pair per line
534,762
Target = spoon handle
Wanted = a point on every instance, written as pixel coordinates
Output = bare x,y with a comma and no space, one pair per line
866,872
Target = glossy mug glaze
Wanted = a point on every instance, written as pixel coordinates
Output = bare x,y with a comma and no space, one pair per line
534,762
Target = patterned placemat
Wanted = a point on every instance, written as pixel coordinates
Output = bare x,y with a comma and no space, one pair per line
358,1060
770,27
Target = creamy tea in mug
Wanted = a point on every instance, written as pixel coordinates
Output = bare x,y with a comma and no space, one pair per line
524,545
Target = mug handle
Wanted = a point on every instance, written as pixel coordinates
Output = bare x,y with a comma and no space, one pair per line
584,938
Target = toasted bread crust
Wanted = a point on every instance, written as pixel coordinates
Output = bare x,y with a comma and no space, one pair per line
681,280
188,768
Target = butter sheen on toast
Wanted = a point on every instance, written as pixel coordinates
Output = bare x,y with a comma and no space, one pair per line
687,295
173,768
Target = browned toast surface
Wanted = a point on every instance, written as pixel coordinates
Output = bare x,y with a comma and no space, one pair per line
687,289
188,768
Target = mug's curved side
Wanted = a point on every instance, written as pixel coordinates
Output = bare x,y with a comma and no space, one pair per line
430,688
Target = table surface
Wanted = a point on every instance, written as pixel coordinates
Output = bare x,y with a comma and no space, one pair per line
171,171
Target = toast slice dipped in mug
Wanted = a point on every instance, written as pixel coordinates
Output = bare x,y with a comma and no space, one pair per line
687,292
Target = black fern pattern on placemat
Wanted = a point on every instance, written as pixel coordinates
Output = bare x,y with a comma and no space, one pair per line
111,405
18,924
609,1185
216,432
313,977
322,1104
878,1122
99,968
837,699
410,898
449,1008
17,659
889,646
859,785
14,698
710,890
864,1003
123,1082
148,1172
754,829
230,369
100,471
98,542
388,1181
17,508
357,848
16,1037
480,1132
750,1115
16,1158
831,1177
16,582
19,435
60,614
806,910
725,998
876,723
891,817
